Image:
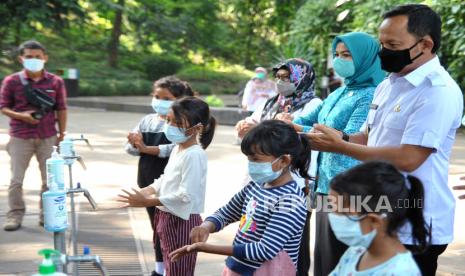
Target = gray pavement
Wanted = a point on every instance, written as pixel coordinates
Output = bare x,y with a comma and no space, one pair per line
110,168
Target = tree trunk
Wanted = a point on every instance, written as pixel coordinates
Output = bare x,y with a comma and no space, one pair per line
113,44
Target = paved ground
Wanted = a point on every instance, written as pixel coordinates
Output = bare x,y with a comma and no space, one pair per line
109,169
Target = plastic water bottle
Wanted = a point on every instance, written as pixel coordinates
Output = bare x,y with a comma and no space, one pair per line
67,150
55,167
54,205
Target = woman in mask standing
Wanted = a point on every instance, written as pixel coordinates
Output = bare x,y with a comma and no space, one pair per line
295,83
346,109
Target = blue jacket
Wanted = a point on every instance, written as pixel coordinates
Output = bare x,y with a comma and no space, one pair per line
345,110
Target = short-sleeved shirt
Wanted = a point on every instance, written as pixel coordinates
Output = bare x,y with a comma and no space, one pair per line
12,96
423,108
399,265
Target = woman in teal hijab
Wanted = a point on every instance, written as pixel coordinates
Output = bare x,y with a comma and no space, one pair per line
356,60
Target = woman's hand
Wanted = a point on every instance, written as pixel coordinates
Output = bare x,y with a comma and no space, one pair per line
136,199
245,126
285,117
180,252
199,234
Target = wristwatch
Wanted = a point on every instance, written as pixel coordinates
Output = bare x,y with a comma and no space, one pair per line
345,136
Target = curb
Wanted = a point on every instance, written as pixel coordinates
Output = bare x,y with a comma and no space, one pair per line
224,115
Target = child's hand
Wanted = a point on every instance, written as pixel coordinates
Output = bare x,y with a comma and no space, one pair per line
180,252
131,138
199,234
137,199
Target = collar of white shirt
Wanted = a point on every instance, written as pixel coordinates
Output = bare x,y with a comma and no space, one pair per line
428,70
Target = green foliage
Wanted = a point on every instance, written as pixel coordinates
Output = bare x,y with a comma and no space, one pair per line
198,40
210,80
161,65
214,101
318,22
452,51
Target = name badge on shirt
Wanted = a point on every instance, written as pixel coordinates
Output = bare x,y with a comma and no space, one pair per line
49,90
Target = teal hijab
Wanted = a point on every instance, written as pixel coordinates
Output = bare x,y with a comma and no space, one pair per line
364,50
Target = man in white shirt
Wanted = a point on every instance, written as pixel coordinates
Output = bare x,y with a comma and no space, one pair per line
412,121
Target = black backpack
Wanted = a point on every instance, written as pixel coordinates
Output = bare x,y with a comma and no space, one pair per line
38,98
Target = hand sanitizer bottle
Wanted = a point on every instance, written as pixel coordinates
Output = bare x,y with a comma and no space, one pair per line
55,167
54,205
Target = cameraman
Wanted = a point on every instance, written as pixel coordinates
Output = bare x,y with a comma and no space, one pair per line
32,128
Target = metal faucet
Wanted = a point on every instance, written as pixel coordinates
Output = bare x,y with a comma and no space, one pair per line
86,194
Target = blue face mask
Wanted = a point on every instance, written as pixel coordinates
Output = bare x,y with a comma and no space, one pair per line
349,231
162,107
262,172
33,64
176,134
344,68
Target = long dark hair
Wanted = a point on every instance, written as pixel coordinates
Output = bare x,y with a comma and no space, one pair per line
191,111
177,87
378,179
276,138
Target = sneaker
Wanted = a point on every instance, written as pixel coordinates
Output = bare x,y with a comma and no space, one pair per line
12,224
154,273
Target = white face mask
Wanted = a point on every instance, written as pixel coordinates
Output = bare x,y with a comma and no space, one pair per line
33,64
285,88
349,231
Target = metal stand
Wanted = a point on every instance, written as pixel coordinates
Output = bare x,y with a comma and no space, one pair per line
59,238
59,242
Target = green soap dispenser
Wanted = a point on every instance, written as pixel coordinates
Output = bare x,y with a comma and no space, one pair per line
47,267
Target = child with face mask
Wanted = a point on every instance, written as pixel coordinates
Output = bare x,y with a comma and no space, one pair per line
295,84
179,194
370,230
271,209
148,141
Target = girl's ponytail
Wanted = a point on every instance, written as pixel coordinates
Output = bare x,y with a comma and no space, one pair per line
207,133
302,160
420,231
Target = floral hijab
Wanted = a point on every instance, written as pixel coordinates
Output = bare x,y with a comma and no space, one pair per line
302,74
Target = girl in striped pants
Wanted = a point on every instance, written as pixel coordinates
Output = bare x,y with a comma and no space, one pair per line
179,194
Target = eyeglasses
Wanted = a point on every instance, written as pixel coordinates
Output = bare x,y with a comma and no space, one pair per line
283,77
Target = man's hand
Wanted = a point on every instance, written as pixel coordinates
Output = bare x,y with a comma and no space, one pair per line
137,199
60,137
26,116
460,187
324,138
180,252
199,234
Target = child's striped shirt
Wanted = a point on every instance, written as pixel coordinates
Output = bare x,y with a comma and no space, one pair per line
271,220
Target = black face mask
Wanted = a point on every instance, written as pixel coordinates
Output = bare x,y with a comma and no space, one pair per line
395,61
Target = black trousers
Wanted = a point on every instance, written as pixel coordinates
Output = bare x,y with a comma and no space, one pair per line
303,263
428,261
328,249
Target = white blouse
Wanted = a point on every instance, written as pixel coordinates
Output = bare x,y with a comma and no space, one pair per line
181,189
